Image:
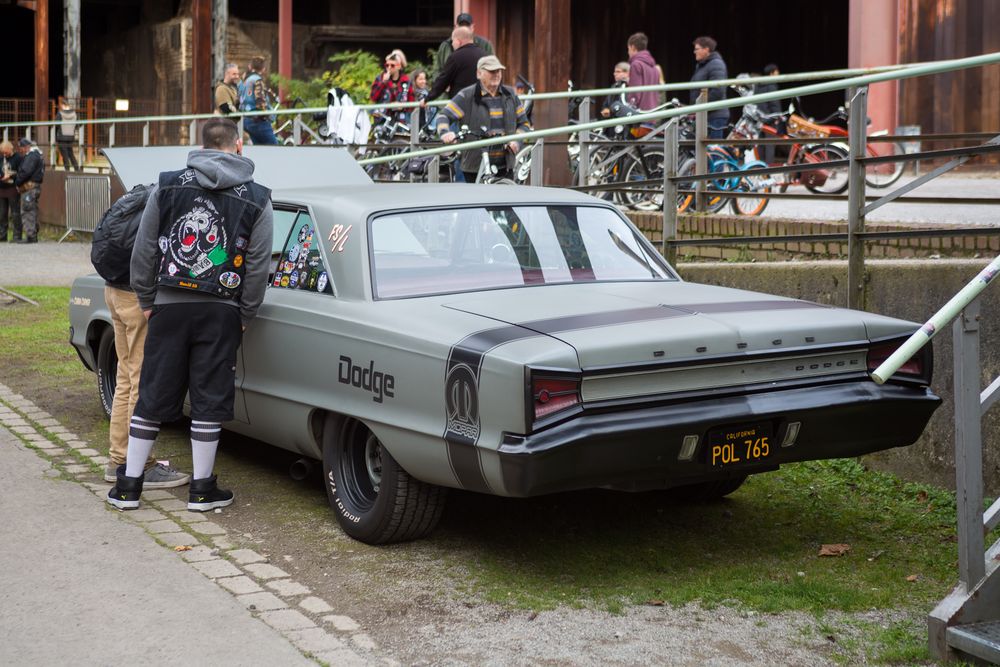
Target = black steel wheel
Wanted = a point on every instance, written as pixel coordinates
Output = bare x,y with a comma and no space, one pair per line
107,369
374,499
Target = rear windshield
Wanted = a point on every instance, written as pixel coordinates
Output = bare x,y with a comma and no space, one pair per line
462,250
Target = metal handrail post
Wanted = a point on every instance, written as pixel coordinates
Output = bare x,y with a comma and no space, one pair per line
52,148
434,169
968,447
193,133
239,123
297,129
857,130
583,136
537,163
145,134
414,136
111,135
700,150
670,153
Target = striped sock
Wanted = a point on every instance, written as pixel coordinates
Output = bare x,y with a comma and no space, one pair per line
141,436
204,443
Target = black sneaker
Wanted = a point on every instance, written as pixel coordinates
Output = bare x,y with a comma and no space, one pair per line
125,493
205,494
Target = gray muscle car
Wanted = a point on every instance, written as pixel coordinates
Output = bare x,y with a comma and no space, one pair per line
520,341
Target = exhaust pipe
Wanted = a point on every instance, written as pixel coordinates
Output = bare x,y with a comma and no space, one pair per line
300,469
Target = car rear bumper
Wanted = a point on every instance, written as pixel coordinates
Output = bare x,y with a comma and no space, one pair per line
637,449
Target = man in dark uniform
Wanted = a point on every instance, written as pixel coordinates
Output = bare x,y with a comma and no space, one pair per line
28,182
199,270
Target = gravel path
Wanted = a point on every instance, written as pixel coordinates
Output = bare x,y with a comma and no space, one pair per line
44,263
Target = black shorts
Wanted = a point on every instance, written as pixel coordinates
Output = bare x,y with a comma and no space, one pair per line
190,347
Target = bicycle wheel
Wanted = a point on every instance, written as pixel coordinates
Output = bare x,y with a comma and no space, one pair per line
601,174
824,180
886,173
685,201
757,186
714,202
645,167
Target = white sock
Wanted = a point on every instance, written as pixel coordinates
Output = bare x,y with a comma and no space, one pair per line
204,443
141,436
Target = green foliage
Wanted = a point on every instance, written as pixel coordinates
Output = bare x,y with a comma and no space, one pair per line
354,71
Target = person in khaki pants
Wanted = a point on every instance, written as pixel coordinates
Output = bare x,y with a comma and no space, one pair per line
130,338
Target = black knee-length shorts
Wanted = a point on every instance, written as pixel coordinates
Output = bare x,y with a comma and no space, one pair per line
190,347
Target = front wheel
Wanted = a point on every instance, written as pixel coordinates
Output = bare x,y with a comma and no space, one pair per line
374,499
107,369
757,187
824,180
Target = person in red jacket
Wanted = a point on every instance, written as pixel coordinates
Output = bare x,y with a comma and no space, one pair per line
392,85
642,72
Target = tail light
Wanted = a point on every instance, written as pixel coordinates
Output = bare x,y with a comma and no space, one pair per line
917,368
550,395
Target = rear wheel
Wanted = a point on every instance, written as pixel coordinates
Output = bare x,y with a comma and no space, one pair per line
374,499
757,187
824,180
644,166
107,369
886,173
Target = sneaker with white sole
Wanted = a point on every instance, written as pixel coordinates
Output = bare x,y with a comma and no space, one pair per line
160,476
125,493
205,495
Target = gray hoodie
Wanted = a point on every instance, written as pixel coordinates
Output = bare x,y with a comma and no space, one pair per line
214,170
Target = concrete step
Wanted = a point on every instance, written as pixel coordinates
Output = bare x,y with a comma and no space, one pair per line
981,640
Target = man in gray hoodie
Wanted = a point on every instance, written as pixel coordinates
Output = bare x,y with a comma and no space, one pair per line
199,270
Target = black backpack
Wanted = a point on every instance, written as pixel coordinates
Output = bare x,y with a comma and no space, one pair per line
111,251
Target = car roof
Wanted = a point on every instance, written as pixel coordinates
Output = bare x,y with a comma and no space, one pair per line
276,167
360,202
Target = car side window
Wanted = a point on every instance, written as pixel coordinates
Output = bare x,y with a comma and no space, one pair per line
300,264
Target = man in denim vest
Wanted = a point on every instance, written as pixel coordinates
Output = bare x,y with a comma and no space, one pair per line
199,270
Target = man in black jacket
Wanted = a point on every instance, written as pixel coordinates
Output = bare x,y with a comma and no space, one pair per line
10,200
459,70
28,182
710,66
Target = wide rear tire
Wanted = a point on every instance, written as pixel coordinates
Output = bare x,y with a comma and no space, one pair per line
374,499
107,369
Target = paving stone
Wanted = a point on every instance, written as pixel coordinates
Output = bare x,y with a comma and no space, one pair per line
245,556
266,571
213,569
241,585
177,539
208,528
87,451
101,487
262,601
199,553
315,605
163,526
46,422
45,444
171,505
14,421
60,431
342,623
361,640
159,494
286,587
100,460
223,543
77,468
342,658
73,443
43,415
23,430
189,517
52,473
315,640
144,515
287,619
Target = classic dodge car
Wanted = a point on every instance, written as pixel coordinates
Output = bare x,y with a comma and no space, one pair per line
520,341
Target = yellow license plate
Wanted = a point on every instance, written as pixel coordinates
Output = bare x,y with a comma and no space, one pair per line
739,445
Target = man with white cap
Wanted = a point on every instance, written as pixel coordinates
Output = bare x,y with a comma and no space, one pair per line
486,106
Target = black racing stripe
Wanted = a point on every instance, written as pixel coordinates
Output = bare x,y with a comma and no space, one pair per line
462,426
744,306
610,318
147,423
211,436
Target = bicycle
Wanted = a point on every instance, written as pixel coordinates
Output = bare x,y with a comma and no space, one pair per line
391,135
488,173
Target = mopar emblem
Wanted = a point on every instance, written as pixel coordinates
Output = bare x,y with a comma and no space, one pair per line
462,398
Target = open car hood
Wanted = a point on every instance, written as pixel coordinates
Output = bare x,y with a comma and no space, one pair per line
275,167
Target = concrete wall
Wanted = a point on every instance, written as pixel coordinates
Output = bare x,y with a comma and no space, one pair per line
912,290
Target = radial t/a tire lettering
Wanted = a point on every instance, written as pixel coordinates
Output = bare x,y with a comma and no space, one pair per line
374,499
107,369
